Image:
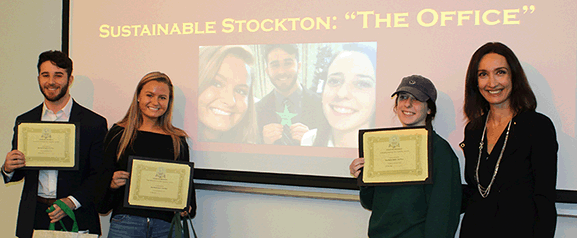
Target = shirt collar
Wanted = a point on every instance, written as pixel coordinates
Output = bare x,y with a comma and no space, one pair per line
295,97
67,109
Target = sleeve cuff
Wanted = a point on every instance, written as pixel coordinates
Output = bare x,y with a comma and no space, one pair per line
76,203
8,175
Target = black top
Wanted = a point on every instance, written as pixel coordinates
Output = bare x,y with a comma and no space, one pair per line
521,202
146,144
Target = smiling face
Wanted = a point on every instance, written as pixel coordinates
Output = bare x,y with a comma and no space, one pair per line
410,111
53,82
349,92
153,100
494,79
282,69
223,104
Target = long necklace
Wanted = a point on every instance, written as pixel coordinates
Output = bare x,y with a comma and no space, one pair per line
482,190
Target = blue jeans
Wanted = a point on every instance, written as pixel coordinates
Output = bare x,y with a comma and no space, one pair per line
124,226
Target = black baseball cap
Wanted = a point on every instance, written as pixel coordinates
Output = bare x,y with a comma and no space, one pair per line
420,87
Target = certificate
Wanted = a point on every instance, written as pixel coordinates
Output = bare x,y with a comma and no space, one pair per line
395,156
158,184
49,145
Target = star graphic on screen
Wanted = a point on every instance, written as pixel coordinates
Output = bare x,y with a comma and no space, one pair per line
286,116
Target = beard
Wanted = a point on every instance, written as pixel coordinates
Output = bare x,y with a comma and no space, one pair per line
286,85
59,95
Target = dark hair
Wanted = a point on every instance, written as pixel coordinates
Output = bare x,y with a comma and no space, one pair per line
291,49
433,107
522,97
59,58
324,132
367,50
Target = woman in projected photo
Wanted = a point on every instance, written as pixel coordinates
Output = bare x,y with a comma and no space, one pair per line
146,130
510,151
348,97
225,103
421,210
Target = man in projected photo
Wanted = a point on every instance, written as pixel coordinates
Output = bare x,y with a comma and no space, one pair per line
290,110
77,189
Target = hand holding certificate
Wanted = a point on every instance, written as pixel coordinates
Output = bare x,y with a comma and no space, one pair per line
48,145
158,184
395,156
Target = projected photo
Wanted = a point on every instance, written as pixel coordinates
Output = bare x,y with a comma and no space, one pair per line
287,94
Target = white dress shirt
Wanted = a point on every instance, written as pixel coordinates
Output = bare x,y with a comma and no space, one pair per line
48,179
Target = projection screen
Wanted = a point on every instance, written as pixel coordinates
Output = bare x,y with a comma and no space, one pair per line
115,43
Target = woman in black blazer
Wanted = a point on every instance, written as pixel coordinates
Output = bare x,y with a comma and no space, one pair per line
510,151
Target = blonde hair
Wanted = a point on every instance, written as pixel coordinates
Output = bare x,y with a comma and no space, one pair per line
210,60
133,118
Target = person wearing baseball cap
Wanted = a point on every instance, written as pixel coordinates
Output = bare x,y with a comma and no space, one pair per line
416,210
419,88
422,88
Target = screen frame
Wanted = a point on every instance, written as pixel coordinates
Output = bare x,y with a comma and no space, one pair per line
563,196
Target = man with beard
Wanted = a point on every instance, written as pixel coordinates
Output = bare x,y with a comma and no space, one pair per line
290,110
78,189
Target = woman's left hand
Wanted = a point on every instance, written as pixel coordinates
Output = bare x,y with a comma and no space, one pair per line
119,179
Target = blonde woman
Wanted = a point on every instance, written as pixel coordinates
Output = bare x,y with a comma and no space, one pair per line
226,110
146,130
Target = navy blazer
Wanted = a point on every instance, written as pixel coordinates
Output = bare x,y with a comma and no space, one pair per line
521,202
87,184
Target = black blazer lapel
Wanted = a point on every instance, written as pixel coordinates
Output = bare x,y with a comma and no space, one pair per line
513,143
76,112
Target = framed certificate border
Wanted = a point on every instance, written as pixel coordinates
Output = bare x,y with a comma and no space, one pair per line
25,127
136,176
427,180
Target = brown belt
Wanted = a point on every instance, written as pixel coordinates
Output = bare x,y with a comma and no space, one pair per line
48,201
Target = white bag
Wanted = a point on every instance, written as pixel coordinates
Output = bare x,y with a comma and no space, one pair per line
61,234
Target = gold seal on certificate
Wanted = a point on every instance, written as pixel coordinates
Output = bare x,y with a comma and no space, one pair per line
48,145
158,184
395,156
